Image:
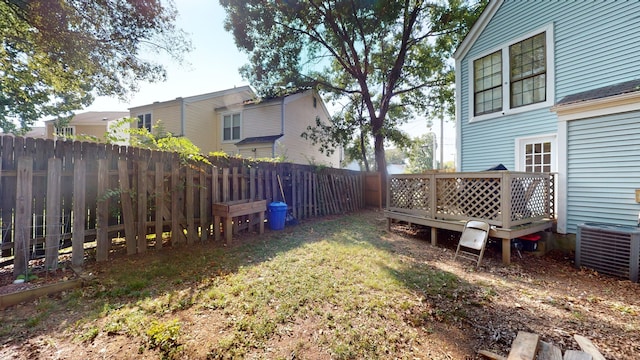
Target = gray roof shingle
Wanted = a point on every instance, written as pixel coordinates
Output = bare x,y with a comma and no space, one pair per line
603,92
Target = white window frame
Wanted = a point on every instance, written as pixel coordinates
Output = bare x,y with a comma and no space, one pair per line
231,114
506,86
143,119
521,142
64,132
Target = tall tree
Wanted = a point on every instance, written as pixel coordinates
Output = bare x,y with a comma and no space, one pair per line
56,55
389,53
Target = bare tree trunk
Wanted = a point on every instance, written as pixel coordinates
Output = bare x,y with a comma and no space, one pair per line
381,163
363,149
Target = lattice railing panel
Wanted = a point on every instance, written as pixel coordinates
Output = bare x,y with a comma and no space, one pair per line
529,198
469,197
479,195
410,193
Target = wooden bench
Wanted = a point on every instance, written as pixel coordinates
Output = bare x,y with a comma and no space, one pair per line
226,211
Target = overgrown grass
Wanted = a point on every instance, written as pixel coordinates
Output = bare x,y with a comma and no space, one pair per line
357,297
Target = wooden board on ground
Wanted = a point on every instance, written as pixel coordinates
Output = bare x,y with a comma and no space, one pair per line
576,355
524,347
587,346
549,352
491,355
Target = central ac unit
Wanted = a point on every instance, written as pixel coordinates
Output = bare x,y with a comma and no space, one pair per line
609,249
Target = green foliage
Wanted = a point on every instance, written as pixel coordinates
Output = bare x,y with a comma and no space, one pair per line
90,334
56,55
164,336
384,60
159,139
395,156
421,154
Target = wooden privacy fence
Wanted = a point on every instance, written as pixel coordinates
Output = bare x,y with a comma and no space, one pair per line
60,194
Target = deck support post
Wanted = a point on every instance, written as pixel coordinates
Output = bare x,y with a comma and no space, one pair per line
434,236
506,251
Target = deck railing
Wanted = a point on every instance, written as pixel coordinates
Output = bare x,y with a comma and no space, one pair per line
501,198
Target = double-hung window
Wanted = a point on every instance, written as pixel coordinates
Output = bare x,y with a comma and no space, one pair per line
231,127
64,132
528,75
144,121
487,89
514,78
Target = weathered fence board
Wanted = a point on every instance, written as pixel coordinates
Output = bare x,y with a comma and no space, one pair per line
54,223
103,241
79,211
127,207
24,195
60,194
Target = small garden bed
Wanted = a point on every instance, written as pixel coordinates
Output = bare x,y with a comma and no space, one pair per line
38,282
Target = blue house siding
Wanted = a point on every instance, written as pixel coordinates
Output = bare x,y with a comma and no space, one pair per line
592,49
491,142
596,45
603,170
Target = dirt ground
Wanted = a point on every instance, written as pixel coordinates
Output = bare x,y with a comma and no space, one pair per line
545,295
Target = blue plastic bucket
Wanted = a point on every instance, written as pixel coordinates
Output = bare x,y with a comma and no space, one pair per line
276,215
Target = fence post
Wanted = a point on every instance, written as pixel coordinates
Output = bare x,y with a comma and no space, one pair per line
102,215
189,204
204,213
215,198
159,202
54,221
176,232
127,207
225,184
142,206
24,194
79,211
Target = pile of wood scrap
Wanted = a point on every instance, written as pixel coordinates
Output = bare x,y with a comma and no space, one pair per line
527,346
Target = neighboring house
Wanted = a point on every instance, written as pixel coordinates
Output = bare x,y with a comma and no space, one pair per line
555,86
85,125
236,122
37,132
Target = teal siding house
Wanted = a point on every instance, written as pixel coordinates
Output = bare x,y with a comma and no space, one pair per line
554,86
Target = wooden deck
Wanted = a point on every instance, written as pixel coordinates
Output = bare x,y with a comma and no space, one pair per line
513,203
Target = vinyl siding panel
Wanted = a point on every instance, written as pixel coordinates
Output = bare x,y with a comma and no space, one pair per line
262,120
167,112
596,44
299,114
262,151
91,130
200,124
603,154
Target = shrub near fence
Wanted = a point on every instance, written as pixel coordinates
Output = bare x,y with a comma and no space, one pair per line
62,194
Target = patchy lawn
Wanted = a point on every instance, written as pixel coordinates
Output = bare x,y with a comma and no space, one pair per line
338,288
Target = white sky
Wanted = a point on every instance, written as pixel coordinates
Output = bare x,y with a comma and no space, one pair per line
213,65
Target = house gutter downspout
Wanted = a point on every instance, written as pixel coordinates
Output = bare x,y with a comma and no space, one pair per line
182,105
282,112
